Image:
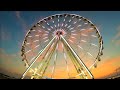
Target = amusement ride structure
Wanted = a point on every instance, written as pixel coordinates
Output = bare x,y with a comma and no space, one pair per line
62,46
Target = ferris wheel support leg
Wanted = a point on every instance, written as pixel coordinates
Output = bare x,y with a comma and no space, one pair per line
49,58
37,58
43,63
74,53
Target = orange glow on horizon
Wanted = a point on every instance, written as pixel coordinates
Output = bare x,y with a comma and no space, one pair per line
108,67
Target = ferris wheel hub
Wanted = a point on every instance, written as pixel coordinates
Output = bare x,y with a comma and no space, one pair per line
59,32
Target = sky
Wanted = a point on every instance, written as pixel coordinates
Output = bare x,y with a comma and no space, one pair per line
15,24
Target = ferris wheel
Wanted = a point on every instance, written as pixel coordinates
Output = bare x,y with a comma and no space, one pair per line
62,46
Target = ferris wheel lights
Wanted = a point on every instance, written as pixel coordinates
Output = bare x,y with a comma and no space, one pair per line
83,29
49,29
73,37
80,19
35,69
36,41
70,20
38,24
37,46
30,36
66,25
46,40
75,22
64,20
83,41
90,28
94,44
70,40
27,51
93,36
79,25
27,43
79,46
45,37
73,34
30,71
84,35
33,30
69,26
45,34
73,16
89,54
85,23
43,27
73,31
36,35
47,23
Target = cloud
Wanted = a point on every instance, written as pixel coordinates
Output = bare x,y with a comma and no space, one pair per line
10,63
4,35
116,38
22,21
18,14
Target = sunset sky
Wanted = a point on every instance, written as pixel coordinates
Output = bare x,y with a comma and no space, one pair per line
15,24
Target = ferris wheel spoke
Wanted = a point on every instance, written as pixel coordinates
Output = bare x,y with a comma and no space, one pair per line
74,53
48,59
67,68
78,46
75,63
55,60
44,60
37,58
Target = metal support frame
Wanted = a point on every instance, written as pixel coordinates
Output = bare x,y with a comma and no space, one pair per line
78,58
40,53
46,63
